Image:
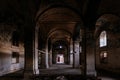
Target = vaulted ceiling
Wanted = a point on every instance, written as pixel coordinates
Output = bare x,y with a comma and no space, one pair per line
57,23
56,19
22,9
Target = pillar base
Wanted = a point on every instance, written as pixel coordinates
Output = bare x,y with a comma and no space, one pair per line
46,66
91,73
36,71
28,74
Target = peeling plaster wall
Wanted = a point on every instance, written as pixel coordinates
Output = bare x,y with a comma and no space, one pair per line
6,50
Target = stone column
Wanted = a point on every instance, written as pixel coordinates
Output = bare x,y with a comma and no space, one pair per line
71,52
29,49
42,55
76,55
46,56
51,53
35,57
83,51
68,55
90,55
50,57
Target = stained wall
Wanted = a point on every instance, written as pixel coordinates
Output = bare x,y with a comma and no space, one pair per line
7,49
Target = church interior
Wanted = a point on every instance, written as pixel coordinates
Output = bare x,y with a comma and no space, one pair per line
59,40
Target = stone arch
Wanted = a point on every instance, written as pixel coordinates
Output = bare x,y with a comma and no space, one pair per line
55,8
57,14
65,33
110,24
107,22
61,46
55,30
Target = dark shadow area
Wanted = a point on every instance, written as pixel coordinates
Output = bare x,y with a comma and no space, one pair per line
110,74
18,75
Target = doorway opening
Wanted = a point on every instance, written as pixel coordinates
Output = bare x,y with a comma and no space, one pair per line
60,59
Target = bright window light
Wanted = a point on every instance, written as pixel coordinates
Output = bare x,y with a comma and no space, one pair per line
103,39
60,46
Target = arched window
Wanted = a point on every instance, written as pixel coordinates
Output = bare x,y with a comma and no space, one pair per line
15,38
103,39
